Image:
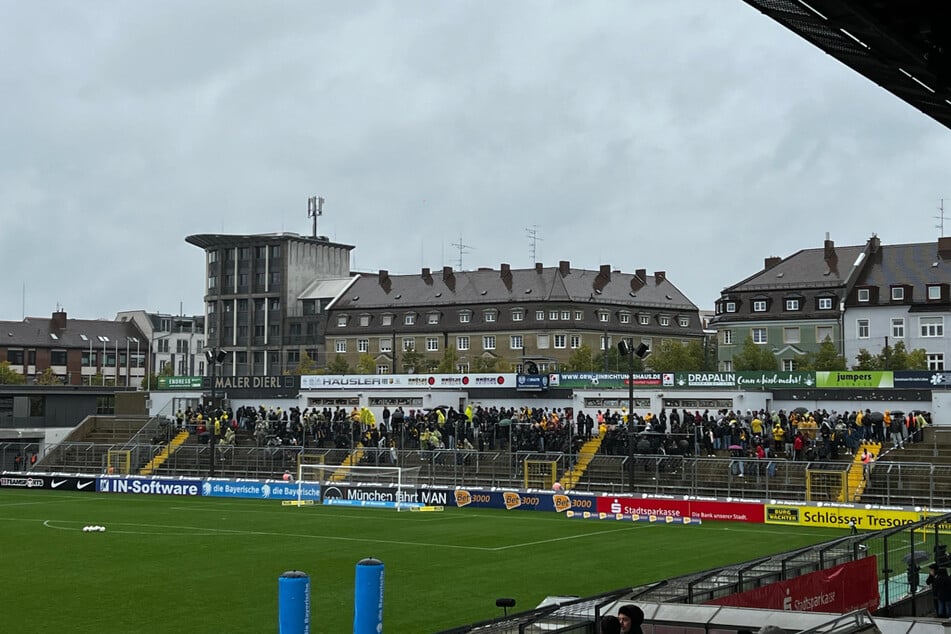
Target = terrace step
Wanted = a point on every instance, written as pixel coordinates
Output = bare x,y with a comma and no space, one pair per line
588,451
163,455
352,459
855,480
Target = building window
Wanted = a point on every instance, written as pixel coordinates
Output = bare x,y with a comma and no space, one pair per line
432,318
759,335
683,321
342,321
541,342
565,315
212,257
488,342
898,327
605,342
58,357
364,320
212,282
936,362
759,305
823,333
934,292
386,344
539,315
727,337
275,278
340,346
363,345
727,366
258,332
561,341
788,365
383,368
731,307
462,368
931,326
432,344
575,341
579,315
553,315
489,316
861,328
516,342
792,304
518,315
462,343
665,321
644,319
898,294
386,320
242,280
603,317
791,334
293,357
294,330
863,295
409,343
624,318
409,319
465,317
825,303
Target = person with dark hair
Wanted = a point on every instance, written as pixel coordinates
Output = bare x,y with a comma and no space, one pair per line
610,625
631,618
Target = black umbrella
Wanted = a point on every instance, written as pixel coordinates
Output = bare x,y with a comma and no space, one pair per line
801,410
897,414
875,417
918,556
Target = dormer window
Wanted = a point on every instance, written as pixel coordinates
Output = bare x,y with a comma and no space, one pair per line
759,305
465,317
518,314
898,293
792,305
644,320
863,295
386,320
934,292
489,316
731,307
364,320
825,303
409,319
603,317
683,322
664,320
432,318
341,321
624,318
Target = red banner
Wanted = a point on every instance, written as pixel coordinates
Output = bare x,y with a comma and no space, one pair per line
694,509
839,590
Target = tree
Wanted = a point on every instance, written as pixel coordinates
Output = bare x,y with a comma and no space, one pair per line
865,360
449,361
366,364
614,361
412,361
825,359
306,365
48,377
338,365
486,363
581,360
150,382
677,356
9,376
892,358
754,357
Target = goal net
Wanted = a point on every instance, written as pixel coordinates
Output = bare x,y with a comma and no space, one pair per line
346,485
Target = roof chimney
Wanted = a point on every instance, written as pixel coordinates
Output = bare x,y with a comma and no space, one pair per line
58,322
426,275
659,276
506,275
539,267
829,248
874,243
384,279
771,261
944,248
641,275
564,267
448,278
602,278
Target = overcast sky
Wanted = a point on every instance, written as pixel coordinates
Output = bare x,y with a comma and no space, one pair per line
692,136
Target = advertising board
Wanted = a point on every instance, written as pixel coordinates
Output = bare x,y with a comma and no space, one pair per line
268,490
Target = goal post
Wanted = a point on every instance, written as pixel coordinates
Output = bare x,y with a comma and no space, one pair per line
346,485
118,461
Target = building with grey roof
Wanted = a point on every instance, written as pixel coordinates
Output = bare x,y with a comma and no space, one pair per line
497,318
173,340
855,296
76,350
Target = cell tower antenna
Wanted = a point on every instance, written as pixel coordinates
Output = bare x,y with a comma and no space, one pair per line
463,248
940,217
533,240
315,208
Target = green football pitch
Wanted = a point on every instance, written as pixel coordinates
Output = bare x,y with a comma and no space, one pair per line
184,564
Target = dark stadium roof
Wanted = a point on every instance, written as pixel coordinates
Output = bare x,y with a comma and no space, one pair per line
903,46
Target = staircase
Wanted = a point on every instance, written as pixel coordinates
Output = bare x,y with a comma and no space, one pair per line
855,478
163,455
588,451
352,460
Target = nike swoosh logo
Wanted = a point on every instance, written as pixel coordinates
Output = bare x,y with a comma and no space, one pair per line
82,485
56,484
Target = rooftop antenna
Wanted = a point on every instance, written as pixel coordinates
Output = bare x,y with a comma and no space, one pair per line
315,208
940,217
533,239
463,248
